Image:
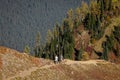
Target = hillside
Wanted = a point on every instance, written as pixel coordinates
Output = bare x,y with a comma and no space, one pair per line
12,62
88,32
88,40
17,66
108,31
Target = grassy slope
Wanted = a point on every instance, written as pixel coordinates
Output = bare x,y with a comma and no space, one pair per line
12,62
71,70
16,66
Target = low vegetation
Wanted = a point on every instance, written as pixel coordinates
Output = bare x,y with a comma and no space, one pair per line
76,71
12,62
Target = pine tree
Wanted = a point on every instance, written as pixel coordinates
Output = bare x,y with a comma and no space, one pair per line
49,36
77,20
110,42
52,50
94,8
68,40
101,9
27,49
84,10
49,45
106,4
70,19
70,14
79,56
110,5
38,48
78,12
116,33
105,52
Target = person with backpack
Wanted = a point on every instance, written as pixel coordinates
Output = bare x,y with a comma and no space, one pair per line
56,59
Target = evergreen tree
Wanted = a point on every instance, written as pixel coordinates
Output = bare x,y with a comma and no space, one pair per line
67,39
94,8
48,51
79,56
70,14
84,10
77,20
38,48
101,9
116,33
105,52
51,50
27,49
110,5
110,42
69,19
49,36
78,13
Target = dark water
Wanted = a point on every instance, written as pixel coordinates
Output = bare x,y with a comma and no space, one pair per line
20,20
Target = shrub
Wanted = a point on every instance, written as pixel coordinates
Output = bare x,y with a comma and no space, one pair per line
27,49
85,56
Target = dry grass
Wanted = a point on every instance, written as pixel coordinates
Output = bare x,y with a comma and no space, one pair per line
0,62
102,71
14,63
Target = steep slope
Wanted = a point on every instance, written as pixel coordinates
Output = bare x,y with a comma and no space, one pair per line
84,38
109,29
12,62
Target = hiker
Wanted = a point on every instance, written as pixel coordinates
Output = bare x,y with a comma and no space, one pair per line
56,59
61,57
43,55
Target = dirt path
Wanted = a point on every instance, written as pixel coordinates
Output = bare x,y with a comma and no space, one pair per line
94,62
66,62
24,73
